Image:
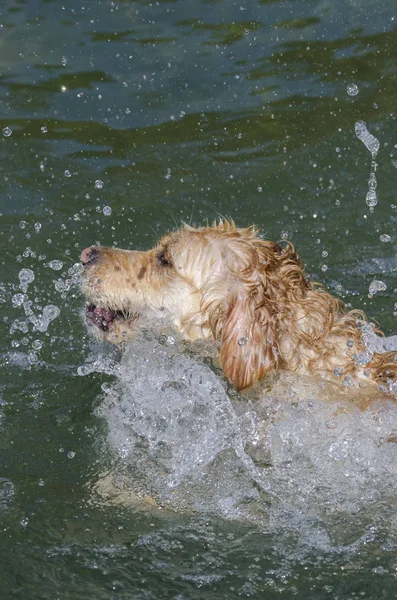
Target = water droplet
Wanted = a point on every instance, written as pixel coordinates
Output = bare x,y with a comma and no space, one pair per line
98,184
7,131
71,454
107,211
51,312
242,341
370,141
18,299
352,89
32,358
348,381
56,265
24,522
385,238
26,276
371,198
376,286
83,370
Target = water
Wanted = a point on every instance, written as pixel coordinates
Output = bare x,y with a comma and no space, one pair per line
372,144
120,121
293,454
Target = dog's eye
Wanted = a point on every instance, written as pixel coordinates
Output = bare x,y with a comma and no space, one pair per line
163,259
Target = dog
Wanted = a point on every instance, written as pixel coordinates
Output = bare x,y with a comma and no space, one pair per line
251,296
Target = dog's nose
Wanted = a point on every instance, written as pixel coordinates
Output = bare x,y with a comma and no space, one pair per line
89,254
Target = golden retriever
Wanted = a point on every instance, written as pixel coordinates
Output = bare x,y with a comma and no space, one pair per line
250,295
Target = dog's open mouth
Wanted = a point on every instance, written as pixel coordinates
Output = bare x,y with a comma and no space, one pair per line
103,317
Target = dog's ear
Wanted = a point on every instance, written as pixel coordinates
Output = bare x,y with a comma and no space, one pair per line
246,303
248,338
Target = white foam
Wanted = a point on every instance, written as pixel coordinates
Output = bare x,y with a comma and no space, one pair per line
292,458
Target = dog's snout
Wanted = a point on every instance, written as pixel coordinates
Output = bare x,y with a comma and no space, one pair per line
89,255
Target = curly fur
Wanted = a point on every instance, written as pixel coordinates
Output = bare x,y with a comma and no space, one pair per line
224,283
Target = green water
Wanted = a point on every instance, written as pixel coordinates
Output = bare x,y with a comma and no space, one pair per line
184,110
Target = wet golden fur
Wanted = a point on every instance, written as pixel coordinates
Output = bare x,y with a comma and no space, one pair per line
228,284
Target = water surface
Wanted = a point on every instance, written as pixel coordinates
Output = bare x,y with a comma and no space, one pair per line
120,120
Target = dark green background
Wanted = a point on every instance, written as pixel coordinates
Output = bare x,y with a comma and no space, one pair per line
184,110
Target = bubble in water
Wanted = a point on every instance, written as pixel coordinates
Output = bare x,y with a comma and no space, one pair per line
26,276
242,341
7,131
37,227
107,211
64,61
67,173
98,184
376,286
43,129
370,141
37,344
24,522
352,89
385,238
71,454
56,265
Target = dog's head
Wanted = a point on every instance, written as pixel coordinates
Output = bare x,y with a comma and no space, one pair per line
216,282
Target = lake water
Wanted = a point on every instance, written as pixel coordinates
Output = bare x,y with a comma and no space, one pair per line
118,121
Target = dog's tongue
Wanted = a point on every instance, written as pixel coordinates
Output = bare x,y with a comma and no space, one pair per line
101,316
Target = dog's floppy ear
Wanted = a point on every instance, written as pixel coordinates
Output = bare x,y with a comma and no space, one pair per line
248,338
246,305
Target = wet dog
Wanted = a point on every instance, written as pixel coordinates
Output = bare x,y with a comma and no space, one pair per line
249,295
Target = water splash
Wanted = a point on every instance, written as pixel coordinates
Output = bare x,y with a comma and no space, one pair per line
296,455
26,276
372,144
